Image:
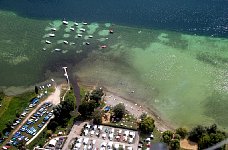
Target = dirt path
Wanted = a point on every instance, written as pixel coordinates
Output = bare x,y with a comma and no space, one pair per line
54,98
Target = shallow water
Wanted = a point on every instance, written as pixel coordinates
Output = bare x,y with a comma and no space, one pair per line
183,77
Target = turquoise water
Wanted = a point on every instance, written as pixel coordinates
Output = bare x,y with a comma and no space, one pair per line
182,77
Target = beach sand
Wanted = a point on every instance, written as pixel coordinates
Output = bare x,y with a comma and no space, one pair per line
113,98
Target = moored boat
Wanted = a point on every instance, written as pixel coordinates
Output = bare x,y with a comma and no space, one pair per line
48,42
65,22
51,35
65,42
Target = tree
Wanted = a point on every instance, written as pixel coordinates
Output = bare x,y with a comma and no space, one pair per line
147,125
197,133
52,125
182,132
96,94
97,116
212,129
36,90
142,116
21,145
87,108
62,111
167,137
207,136
174,144
177,136
119,110
49,133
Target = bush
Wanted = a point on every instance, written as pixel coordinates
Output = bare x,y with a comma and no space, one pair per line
182,132
119,110
197,133
175,144
97,116
167,137
147,125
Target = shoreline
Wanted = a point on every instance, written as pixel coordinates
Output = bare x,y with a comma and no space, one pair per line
161,124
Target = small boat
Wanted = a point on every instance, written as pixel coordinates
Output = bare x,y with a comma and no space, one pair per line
65,22
48,42
57,50
65,42
72,29
104,46
76,24
84,23
44,49
90,36
79,35
82,29
53,29
111,31
87,43
51,35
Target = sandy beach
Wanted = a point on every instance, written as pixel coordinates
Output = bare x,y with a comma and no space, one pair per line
113,98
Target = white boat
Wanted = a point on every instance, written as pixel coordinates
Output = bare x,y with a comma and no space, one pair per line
48,42
76,23
82,29
65,42
72,29
65,22
44,49
57,49
90,36
53,29
87,43
51,35
79,35
84,23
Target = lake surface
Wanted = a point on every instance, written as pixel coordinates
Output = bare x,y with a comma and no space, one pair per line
205,17
182,75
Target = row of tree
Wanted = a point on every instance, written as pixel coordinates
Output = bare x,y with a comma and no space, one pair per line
62,112
205,137
89,106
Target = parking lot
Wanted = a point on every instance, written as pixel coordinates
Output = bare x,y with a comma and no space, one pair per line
104,137
33,124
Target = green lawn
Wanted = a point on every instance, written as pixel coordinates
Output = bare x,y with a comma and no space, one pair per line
13,105
128,121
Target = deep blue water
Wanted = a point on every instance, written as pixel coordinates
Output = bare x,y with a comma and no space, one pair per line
204,17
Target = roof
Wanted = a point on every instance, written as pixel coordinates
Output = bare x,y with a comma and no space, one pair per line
53,142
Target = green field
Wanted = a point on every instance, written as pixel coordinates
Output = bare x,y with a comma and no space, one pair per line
13,105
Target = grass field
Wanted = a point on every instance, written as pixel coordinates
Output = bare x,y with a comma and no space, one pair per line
13,105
